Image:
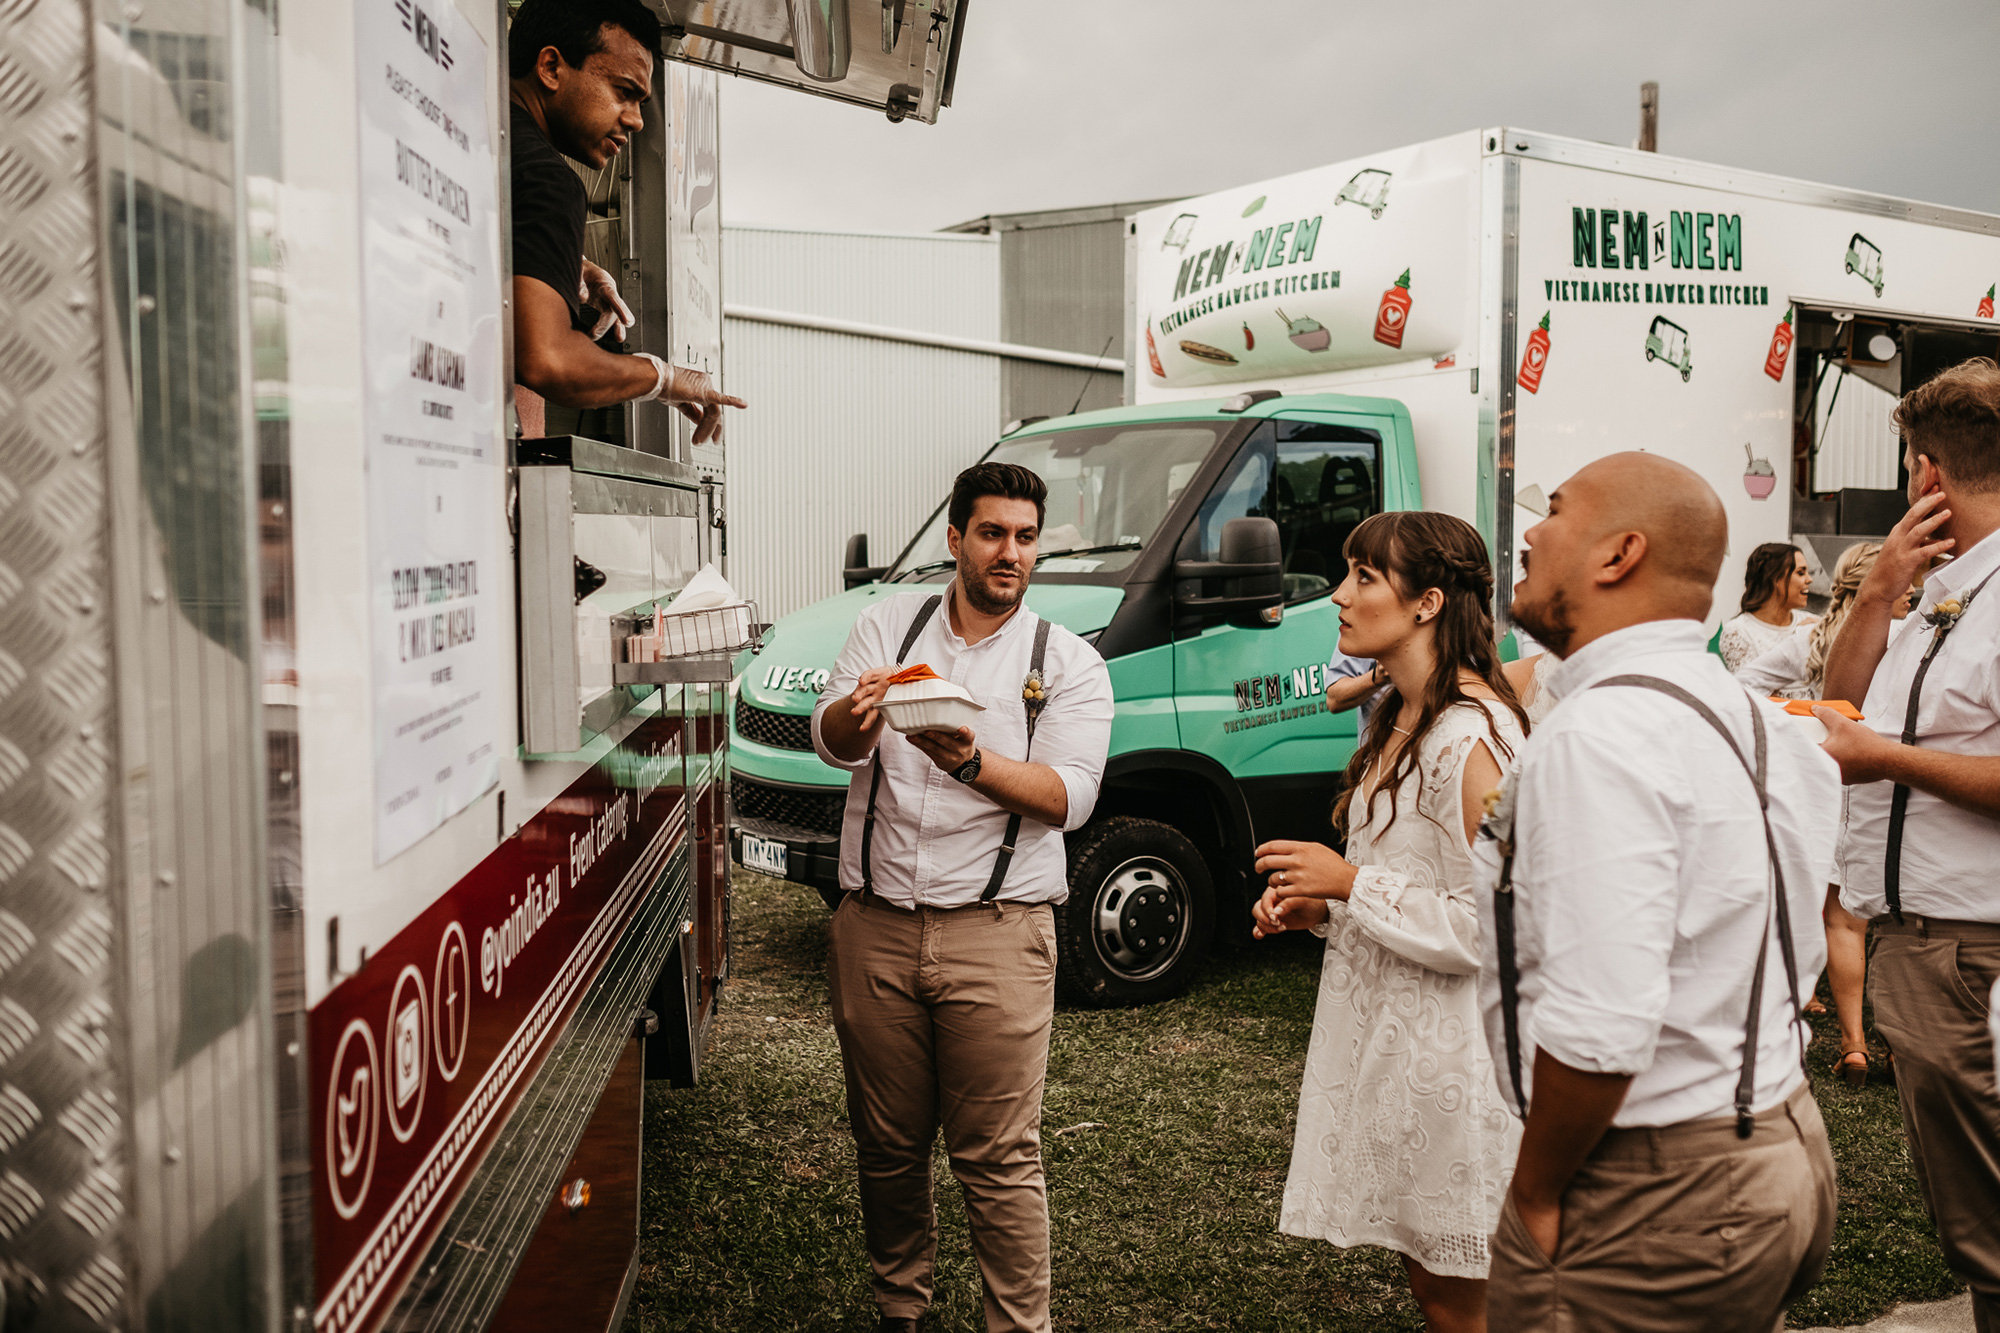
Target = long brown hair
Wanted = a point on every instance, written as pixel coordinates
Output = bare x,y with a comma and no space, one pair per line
1419,551
1765,572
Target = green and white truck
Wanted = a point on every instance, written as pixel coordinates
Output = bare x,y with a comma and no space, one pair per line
1218,633
1477,332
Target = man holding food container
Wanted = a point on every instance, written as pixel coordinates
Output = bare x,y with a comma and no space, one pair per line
977,735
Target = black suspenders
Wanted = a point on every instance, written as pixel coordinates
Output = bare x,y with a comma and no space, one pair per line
1503,915
924,614
1899,799
1034,711
1034,707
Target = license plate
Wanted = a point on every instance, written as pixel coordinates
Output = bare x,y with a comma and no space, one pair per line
764,854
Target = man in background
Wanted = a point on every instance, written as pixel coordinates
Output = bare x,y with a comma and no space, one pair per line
582,73
1922,842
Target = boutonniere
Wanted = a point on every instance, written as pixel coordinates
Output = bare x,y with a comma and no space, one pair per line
1498,821
1946,613
1034,693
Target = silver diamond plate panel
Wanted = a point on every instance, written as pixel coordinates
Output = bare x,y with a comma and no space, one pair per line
64,1170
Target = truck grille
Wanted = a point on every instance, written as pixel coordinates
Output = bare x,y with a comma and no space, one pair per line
806,815
782,731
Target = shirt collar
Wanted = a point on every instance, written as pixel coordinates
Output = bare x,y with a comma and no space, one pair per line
1602,657
1009,626
1963,574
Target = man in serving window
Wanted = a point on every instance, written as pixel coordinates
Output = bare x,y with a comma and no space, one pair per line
582,71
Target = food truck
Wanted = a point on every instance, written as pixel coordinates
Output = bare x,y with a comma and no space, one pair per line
1503,307
363,765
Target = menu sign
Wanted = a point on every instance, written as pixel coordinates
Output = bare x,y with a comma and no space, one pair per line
430,276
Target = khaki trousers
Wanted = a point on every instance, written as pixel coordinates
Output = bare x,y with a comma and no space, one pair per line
1685,1228
1929,982
943,1016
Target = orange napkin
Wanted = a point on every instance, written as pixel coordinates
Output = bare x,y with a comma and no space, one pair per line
1804,707
921,671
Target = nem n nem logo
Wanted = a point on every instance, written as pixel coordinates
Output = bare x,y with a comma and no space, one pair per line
420,25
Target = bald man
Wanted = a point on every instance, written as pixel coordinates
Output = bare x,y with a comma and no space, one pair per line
1652,928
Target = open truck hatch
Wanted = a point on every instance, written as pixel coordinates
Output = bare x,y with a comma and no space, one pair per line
897,56
1855,360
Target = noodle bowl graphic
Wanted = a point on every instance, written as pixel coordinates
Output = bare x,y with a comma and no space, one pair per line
1308,333
1758,478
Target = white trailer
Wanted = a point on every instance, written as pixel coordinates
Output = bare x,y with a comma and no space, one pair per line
1537,302
352,880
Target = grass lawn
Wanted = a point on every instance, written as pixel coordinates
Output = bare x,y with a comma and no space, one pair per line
1166,1131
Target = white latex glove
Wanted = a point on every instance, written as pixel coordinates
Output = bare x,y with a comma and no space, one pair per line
599,291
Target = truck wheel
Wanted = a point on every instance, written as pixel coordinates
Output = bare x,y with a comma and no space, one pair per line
1140,914
1685,372
1649,356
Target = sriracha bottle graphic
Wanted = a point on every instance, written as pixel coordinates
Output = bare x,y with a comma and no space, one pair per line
1781,348
1249,338
1535,357
1153,354
1986,304
1393,313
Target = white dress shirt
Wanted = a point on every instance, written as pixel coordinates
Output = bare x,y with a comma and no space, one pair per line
1949,854
935,837
1642,884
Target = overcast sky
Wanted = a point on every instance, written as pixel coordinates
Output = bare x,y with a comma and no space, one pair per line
1068,102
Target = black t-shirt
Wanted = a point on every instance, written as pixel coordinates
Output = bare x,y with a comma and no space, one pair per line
549,203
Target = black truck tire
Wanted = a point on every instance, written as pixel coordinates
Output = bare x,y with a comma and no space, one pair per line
1140,914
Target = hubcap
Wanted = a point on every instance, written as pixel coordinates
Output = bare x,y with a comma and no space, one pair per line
1140,918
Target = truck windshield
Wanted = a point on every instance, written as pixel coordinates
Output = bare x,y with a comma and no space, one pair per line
1109,489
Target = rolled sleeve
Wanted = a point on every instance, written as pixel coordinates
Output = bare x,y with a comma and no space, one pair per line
1605,861
1073,734
865,648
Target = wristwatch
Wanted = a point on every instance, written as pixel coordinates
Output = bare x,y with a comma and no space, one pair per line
968,770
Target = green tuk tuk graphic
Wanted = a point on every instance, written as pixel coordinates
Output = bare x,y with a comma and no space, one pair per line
1865,258
1178,233
1667,341
1369,188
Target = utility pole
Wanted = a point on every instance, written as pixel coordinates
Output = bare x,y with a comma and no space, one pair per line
1649,117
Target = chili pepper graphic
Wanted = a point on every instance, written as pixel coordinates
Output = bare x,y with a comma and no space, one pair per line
1249,339
1393,313
1535,358
1781,348
1986,304
1153,354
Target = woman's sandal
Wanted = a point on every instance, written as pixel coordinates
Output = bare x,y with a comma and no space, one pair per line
1815,1008
1853,1066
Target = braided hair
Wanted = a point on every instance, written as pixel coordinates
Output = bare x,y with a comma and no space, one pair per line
1418,551
1849,572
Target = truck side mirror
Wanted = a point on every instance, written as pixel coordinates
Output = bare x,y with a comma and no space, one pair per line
1251,569
855,569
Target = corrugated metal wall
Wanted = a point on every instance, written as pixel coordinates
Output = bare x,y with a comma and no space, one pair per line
1062,275
847,434
1858,447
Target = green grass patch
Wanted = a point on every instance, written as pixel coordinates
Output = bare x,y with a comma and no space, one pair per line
1164,1208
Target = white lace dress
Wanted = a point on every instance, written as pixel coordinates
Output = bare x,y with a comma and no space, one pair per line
1745,638
1402,1138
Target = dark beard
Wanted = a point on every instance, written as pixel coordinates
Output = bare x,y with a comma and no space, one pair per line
1549,623
981,597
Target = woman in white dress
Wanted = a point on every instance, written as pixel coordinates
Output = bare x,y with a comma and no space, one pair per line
1402,1138
1773,606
